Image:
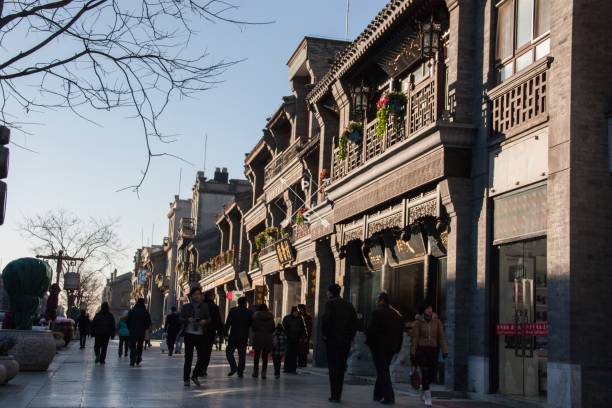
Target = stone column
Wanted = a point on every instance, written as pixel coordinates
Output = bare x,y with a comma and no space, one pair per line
326,275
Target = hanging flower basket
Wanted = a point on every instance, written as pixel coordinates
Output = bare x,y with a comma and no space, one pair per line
299,216
353,132
389,106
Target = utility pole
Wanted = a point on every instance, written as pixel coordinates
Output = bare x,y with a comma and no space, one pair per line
346,21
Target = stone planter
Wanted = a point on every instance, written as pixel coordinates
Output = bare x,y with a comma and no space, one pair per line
10,365
34,350
2,375
59,340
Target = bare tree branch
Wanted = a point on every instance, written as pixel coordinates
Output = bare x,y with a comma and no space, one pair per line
85,55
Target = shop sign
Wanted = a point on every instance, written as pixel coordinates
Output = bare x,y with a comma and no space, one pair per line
376,257
244,280
260,294
522,329
407,250
284,251
72,281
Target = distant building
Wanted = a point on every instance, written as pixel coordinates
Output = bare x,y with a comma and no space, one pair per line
117,293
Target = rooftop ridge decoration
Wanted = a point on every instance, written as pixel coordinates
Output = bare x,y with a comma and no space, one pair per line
374,30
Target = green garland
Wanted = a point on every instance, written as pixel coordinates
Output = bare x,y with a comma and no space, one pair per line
342,147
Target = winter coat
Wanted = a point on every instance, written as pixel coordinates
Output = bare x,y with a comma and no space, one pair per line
237,326
339,322
262,328
385,330
294,327
428,334
279,343
216,322
138,321
103,324
83,324
173,325
122,328
188,311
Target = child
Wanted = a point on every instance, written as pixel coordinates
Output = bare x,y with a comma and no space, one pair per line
279,346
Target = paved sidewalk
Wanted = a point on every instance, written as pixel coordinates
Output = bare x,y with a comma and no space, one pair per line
75,381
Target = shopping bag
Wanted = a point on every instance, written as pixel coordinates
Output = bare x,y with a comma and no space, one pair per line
415,378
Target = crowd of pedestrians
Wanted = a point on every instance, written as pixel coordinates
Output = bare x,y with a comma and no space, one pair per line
200,326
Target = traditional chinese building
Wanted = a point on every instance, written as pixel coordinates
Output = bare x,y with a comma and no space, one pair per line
460,141
117,293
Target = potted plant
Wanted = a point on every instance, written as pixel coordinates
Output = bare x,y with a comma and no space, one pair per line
7,361
353,132
26,280
389,106
299,216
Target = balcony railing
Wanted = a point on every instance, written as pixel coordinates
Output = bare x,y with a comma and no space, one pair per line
420,112
216,263
281,161
300,231
521,101
187,228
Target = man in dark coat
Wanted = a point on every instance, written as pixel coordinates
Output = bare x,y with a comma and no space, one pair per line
83,323
172,327
214,329
305,342
102,329
236,330
339,326
195,319
384,336
295,331
138,322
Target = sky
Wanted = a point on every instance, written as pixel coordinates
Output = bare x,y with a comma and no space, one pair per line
79,166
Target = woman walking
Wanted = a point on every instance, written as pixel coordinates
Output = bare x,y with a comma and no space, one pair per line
427,338
262,328
102,329
124,336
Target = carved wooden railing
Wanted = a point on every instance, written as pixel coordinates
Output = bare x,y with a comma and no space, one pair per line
300,231
421,111
521,101
277,164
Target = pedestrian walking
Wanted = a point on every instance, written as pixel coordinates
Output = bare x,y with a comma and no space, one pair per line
124,336
83,323
236,330
427,340
138,322
384,336
194,318
102,330
262,329
279,347
179,342
211,331
147,339
304,348
295,332
172,327
338,329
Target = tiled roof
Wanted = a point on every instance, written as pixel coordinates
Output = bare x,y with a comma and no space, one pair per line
377,27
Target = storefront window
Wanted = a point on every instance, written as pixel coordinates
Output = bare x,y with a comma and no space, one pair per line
407,289
364,287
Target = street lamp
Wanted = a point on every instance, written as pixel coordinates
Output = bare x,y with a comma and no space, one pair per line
360,100
431,32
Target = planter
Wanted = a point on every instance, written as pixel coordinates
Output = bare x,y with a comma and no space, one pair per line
3,377
10,365
59,340
34,350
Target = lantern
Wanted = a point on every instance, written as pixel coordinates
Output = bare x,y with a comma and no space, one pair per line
431,32
360,100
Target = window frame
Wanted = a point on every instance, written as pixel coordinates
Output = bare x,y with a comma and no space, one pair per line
517,53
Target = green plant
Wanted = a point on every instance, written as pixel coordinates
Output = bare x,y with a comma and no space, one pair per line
342,147
353,131
389,105
26,280
299,216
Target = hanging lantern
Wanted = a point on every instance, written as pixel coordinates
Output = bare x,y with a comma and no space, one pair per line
431,32
360,100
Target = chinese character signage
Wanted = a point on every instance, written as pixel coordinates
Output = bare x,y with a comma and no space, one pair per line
526,329
284,251
260,294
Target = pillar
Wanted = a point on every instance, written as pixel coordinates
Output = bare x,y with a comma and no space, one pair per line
325,261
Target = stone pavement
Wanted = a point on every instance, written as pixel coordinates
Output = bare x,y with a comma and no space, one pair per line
74,380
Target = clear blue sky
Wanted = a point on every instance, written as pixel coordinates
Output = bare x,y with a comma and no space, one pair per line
80,166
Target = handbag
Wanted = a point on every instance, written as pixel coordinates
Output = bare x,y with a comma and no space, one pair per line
415,378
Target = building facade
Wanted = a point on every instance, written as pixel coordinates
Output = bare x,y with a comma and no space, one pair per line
117,293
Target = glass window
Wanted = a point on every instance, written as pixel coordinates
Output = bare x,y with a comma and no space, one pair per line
542,48
524,22
542,18
524,60
505,30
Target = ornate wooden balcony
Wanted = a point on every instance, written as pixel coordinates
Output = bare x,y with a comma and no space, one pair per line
300,231
420,112
217,263
187,228
276,166
521,102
